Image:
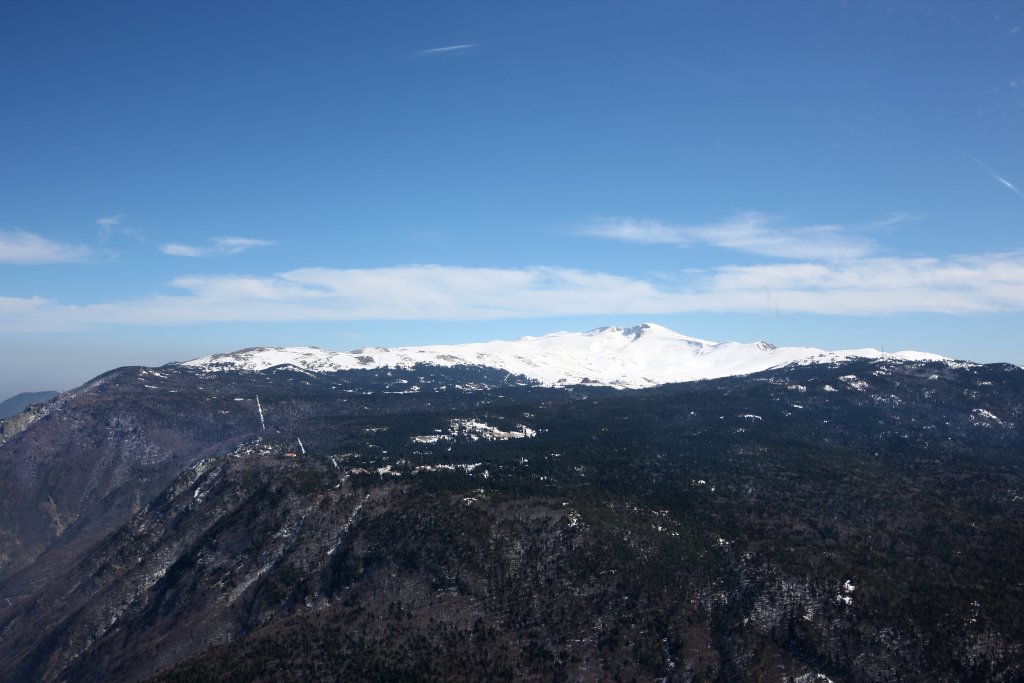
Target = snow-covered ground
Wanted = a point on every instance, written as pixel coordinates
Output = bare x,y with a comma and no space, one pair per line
633,357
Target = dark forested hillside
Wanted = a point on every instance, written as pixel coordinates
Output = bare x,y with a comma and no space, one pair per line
856,522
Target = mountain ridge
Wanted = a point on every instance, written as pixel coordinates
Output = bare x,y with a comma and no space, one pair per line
640,356
17,403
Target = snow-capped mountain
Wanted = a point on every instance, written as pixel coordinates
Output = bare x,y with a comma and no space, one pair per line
633,357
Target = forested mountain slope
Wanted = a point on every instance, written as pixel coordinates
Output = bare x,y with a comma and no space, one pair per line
859,520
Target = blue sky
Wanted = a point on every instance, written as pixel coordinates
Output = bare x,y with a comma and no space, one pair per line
185,178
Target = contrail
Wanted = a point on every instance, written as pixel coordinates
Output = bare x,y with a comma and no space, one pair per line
992,172
448,48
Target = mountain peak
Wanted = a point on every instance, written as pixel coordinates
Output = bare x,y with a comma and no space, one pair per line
646,331
614,331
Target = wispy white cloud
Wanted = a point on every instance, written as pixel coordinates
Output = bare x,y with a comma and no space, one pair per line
448,48
25,248
994,175
751,232
12,306
869,286
896,218
113,225
219,246
109,222
964,284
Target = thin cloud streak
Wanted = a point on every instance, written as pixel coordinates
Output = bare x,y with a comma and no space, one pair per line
109,222
19,247
113,225
896,218
219,246
871,286
994,175
448,48
750,232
